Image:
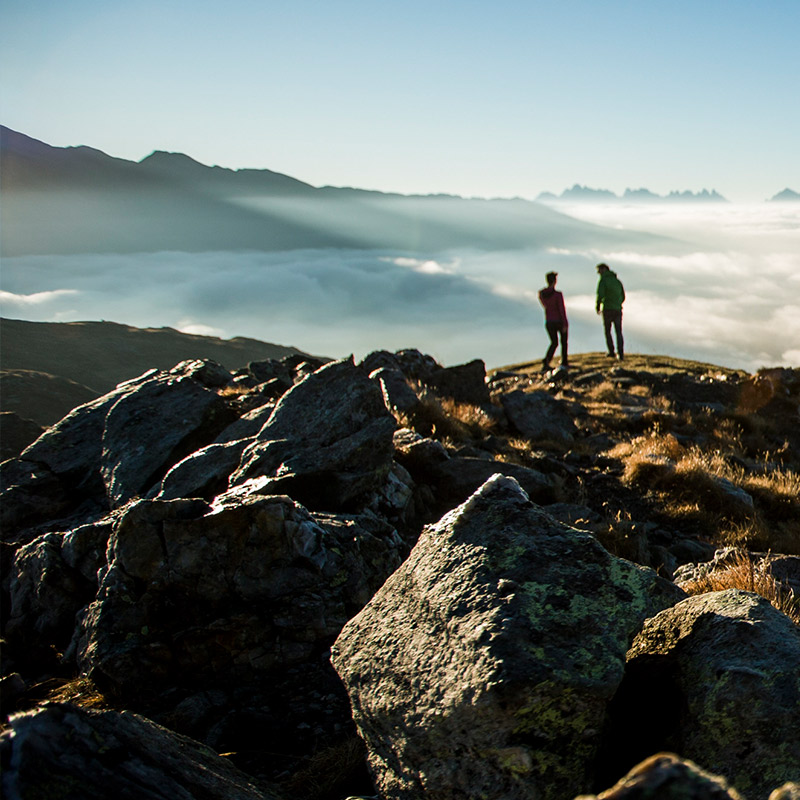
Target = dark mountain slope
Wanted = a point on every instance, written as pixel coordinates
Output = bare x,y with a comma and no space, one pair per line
100,355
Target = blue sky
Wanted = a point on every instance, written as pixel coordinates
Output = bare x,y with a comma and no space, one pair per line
499,98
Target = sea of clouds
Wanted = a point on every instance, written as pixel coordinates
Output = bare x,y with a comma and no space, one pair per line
718,283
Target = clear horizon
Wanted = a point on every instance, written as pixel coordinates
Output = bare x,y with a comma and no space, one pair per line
475,99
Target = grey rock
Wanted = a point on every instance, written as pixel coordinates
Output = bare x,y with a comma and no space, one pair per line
715,678
483,666
668,777
139,446
789,791
411,363
464,383
537,415
46,593
216,596
204,473
248,425
328,443
454,480
397,394
66,752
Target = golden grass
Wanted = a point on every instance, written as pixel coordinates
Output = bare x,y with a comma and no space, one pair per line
79,691
605,392
743,573
445,418
235,391
689,482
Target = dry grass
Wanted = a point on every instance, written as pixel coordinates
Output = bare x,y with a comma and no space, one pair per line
746,574
445,418
79,691
605,392
624,538
235,391
701,485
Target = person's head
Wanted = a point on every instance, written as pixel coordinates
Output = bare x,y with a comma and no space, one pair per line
601,268
551,278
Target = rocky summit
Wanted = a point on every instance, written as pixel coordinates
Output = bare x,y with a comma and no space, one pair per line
393,579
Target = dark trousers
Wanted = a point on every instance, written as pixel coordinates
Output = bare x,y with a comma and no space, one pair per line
614,317
553,331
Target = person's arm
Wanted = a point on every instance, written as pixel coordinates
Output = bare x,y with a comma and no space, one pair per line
562,309
600,295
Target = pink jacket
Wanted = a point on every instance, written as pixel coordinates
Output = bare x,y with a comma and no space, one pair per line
553,302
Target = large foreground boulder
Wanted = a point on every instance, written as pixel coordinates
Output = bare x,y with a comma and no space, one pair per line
65,752
483,667
213,596
717,679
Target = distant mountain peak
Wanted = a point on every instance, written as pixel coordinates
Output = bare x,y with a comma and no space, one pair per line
787,195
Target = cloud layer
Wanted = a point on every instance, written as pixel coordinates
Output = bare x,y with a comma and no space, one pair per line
720,292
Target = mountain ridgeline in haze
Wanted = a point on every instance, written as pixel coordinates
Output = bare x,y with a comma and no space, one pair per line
68,200
584,194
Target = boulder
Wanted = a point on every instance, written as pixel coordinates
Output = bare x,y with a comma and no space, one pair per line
397,394
139,446
668,777
716,679
538,415
411,363
66,752
464,383
482,668
454,480
248,424
328,443
204,473
50,580
198,596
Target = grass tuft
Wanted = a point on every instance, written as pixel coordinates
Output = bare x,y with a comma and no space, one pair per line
743,572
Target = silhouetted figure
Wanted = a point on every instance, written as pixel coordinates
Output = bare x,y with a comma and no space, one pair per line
610,297
555,315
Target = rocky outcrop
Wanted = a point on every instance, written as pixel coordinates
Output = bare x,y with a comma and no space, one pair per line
483,666
66,752
193,542
328,443
716,678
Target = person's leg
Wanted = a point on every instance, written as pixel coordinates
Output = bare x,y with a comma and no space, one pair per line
607,319
618,333
564,357
552,332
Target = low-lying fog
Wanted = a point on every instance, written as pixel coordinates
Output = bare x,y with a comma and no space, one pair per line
728,294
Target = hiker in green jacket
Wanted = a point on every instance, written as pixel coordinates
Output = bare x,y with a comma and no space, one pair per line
610,297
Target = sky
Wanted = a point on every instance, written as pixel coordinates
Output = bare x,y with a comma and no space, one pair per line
490,99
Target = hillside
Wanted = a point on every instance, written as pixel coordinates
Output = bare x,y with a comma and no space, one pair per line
41,362
81,200
538,580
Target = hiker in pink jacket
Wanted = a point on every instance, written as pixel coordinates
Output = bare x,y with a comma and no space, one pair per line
555,315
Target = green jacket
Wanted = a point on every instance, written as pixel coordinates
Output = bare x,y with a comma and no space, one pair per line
610,292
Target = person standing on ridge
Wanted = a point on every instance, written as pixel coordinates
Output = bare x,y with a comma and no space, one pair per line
555,315
610,297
